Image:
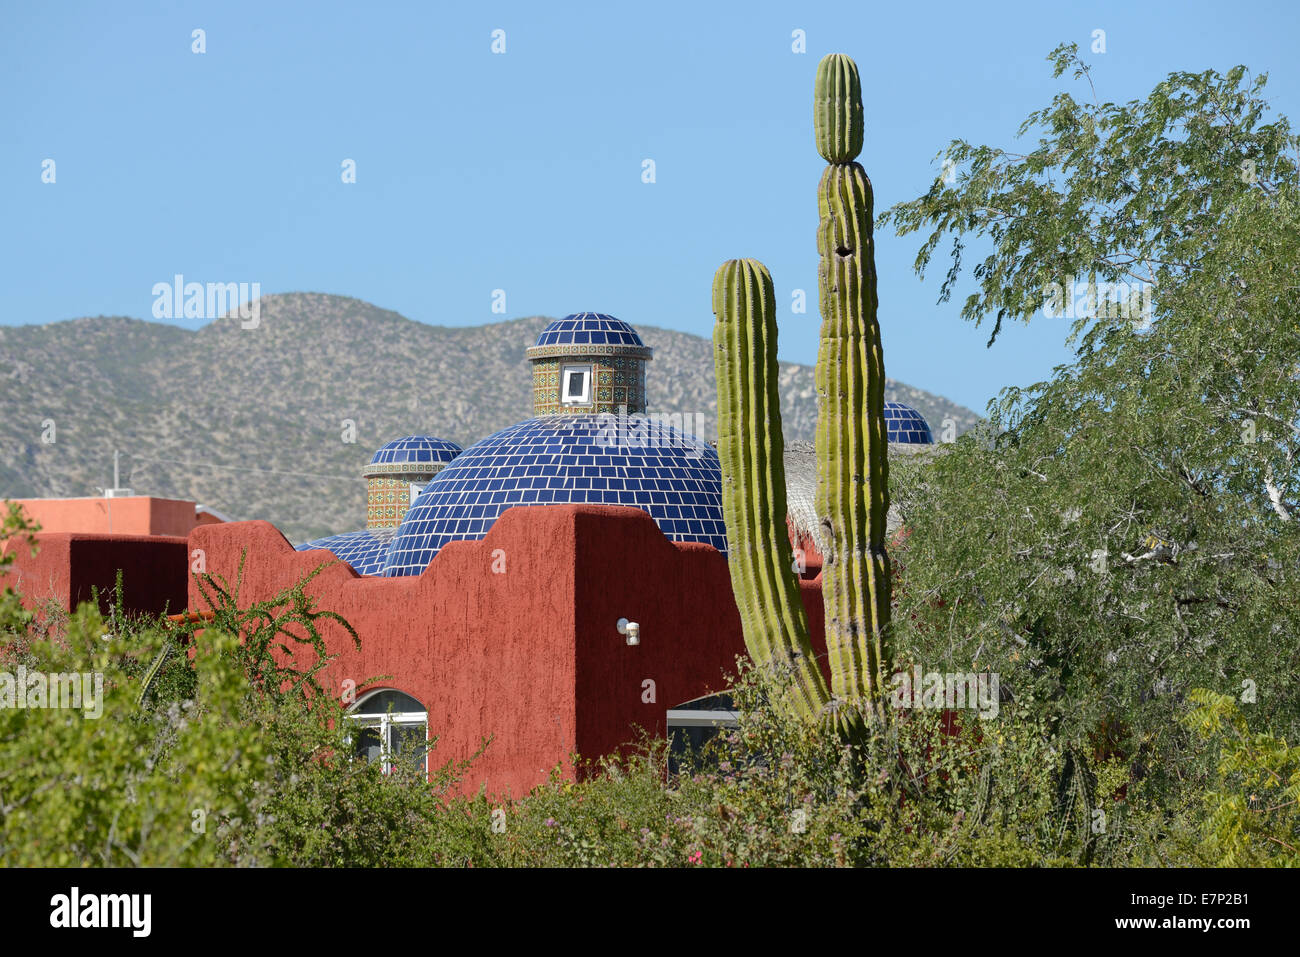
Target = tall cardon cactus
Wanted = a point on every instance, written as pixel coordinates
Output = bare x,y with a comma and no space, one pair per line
751,450
852,442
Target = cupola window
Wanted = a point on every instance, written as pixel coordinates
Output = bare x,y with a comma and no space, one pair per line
576,383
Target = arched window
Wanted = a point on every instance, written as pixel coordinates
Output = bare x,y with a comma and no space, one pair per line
394,727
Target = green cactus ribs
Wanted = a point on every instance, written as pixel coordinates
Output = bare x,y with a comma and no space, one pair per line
852,441
750,449
837,117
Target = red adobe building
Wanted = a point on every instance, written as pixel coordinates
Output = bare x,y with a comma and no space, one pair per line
516,636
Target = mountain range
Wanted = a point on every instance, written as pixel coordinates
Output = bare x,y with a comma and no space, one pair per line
276,422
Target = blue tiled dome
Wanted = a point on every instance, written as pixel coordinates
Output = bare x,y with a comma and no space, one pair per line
906,425
364,550
560,460
589,328
420,450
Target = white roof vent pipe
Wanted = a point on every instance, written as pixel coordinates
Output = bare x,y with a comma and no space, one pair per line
117,491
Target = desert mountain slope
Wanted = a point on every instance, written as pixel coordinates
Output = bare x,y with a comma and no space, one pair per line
253,422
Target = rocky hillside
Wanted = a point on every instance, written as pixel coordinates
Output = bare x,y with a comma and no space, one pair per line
255,422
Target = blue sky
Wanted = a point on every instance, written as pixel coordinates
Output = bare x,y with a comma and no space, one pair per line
522,171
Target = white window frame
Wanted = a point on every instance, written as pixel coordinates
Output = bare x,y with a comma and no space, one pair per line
588,373
385,723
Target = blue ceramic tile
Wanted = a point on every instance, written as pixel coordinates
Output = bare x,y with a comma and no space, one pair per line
906,425
364,550
416,448
540,460
587,328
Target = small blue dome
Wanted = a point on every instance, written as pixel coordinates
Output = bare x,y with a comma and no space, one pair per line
906,425
418,450
562,460
589,328
364,550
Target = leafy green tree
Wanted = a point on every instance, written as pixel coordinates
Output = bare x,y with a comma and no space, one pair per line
1253,809
201,746
1127,530
110,785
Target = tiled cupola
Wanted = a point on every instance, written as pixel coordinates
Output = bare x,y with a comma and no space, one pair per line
398,472
588,363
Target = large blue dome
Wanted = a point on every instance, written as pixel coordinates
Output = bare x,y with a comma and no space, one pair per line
364,550
560,460
906,425
589,328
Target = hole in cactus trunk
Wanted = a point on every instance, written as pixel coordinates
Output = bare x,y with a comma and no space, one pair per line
844,252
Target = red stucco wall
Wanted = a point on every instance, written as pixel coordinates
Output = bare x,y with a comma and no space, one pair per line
530,654
68,566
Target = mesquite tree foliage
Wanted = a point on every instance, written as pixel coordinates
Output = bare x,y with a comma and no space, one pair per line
1128,531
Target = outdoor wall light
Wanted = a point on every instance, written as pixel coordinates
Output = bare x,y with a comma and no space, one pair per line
630,628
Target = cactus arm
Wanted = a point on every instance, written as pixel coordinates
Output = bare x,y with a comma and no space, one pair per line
751,451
